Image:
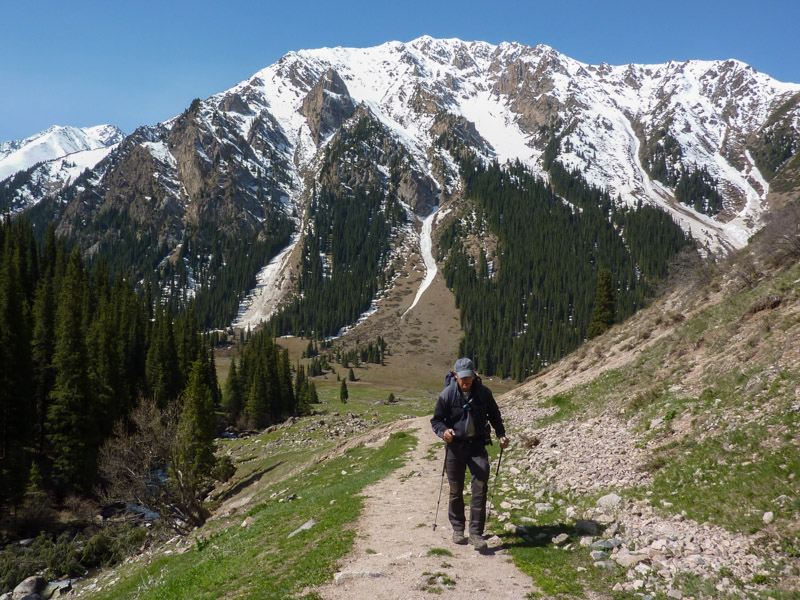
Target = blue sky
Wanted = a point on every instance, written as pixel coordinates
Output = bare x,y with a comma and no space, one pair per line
126,63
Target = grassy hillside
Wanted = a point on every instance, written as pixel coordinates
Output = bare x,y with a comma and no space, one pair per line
690,412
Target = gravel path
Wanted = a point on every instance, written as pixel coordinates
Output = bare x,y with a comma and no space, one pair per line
390,560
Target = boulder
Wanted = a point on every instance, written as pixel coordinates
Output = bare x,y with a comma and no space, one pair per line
57,589
587,527
32,585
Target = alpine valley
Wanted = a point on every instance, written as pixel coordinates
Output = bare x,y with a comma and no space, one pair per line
299,196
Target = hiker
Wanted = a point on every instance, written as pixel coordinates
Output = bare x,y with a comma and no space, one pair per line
461,418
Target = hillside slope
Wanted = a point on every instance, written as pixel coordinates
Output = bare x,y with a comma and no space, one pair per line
690,413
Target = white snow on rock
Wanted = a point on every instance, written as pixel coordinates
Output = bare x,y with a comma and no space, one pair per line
426,251
57,142
262,302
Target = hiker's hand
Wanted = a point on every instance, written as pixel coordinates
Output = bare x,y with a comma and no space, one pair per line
504,442
448,435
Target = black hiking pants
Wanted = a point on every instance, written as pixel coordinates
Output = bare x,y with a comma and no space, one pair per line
461,455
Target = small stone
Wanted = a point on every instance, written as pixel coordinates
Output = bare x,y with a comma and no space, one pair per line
638,584
676,594
768,517
560,539
514,529
605,564
598,554
542,507
605,519
343,576
609,501
658,544
606,544
587,527
630,559
304,527
247,522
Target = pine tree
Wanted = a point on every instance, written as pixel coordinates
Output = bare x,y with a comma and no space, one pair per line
43,349
163,369
257,408
343,394
288,400
193,459
196,424
233,402
71,429
351,376
603,310
16,415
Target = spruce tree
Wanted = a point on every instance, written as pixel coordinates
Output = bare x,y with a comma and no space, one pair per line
71,428
16,415
603,309
43,348
233,401
196,424
343,394
288,400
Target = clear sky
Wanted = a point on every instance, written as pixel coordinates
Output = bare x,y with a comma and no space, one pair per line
131,63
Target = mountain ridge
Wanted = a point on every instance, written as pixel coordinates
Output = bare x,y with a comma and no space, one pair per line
250,158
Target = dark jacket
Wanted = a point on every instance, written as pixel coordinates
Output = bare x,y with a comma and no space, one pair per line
454,410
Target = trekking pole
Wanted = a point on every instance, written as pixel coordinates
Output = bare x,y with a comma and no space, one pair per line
441,484
494,489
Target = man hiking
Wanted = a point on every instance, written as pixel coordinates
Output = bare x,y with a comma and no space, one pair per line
461,418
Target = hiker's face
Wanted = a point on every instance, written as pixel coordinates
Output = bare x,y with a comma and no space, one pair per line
465,383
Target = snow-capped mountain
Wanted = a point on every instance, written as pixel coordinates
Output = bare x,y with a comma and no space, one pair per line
247,161
52,159
517,97
56,143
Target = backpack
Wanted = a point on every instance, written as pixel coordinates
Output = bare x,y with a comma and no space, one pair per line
449,378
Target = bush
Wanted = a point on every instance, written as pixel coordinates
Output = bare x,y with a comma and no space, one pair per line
224,469
62,557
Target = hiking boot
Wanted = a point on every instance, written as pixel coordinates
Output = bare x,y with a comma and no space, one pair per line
459,538
477,541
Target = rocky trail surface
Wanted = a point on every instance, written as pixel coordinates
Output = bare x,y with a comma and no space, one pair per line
397,554
581,470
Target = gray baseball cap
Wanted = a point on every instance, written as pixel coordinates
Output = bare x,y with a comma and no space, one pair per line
464,368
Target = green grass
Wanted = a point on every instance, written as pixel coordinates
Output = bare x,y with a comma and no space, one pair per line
261,561
729,480
439,552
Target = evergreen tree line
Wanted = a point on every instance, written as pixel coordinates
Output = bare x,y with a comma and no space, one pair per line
259,391
223,267
372,353
660,154
213,269
79,351
536,307
345,248
774,147
699,190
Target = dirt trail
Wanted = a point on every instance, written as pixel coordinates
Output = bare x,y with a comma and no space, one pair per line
390,558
